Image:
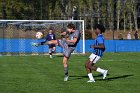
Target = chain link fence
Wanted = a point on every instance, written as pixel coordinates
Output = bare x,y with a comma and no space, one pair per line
16,36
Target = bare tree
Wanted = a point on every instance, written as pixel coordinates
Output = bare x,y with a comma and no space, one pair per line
124,11
134,11
129,11
110,9
4,15
118,14
63,6
53,7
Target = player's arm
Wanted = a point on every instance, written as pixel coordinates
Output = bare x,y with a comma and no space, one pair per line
64,33
72,41
100,46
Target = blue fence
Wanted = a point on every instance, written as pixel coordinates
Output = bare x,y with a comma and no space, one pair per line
118,45
23,45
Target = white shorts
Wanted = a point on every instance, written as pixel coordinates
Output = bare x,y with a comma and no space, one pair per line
94,58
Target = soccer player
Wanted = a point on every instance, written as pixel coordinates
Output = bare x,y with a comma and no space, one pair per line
68,45
50,36
98,49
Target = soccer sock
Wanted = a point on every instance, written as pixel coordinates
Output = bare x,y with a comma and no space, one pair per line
66,71
53,51
50,52
100,70
90,76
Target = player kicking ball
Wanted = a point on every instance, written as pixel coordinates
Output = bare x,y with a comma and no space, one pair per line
68,45
98,49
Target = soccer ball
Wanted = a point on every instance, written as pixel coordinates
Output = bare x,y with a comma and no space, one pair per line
39,35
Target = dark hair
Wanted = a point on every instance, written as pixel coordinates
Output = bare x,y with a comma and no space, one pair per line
71,26
100,27
51,28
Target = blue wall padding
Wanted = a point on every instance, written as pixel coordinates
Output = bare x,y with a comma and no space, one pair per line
24,45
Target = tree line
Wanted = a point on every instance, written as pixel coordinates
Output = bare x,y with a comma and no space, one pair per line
114,14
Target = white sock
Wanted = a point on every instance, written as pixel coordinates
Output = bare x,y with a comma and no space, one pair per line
90,76
50,56
100,70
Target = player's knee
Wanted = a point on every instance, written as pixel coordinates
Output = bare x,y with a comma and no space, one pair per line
89,66
64,61
65,64
94,68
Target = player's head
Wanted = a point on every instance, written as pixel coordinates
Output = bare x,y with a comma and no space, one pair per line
70,28
50,30
99,29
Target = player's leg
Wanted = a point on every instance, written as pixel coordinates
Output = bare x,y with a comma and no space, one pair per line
50,51
53,42
89,72
67,53
65,64
48,43
86,67
53,49
92,66
102,71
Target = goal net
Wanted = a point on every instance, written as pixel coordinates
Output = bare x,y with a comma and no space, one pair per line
16,35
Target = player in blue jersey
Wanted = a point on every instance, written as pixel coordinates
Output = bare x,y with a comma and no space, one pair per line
50,36
98,49
68,45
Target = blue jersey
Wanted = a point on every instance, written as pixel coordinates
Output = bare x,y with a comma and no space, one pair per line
99,40
50,37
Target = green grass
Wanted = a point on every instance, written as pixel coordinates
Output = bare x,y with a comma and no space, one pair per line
39,74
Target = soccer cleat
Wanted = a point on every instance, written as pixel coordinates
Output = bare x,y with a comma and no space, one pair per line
105,74
66,78
34,44
90,81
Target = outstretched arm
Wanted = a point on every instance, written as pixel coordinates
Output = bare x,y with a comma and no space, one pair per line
63,33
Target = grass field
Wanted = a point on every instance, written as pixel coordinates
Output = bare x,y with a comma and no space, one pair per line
39,74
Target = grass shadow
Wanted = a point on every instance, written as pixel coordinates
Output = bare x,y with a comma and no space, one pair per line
117,77
107,79
82,77
59,56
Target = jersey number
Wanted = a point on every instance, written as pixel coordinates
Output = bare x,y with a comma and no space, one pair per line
52,37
